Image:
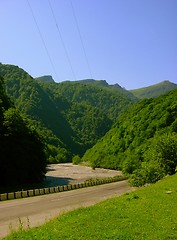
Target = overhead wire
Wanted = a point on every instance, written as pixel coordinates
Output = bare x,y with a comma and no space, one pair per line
42,39
62,41
81,39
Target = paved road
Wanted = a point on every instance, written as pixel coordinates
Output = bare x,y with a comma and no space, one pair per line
35,211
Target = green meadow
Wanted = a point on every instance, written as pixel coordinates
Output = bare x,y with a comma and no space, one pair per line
147,213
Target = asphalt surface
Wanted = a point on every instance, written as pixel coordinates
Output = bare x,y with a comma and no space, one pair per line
35,211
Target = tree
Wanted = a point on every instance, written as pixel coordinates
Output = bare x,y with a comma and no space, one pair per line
22,157
149,172
159,160
76,160
164,151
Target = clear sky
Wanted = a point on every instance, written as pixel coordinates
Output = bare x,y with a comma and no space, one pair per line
129,42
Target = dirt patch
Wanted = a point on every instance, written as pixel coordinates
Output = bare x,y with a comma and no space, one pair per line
67,173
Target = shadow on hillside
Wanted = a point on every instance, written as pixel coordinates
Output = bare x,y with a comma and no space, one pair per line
49,181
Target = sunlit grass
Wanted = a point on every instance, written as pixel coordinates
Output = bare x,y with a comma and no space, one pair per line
148,213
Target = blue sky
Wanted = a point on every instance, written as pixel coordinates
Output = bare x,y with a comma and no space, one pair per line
129,42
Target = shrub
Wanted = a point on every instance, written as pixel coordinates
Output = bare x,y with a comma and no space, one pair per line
159,160
76,160
130,164
150,172
164,151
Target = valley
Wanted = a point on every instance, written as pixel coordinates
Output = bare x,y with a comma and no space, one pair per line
47,125
104,125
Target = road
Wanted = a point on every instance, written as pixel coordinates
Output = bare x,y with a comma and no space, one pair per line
35,211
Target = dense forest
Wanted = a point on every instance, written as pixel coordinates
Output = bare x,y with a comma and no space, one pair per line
23,158
71,116
143,141
89,120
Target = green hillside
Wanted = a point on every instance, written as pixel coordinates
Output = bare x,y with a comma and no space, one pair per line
154,90
22,159
71,116
32,100
135,138
104,84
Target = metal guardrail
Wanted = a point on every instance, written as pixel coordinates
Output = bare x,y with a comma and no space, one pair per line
43,191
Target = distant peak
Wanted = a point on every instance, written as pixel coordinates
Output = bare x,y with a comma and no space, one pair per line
45,78
166,81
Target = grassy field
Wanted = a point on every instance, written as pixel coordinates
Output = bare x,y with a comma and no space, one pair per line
148,213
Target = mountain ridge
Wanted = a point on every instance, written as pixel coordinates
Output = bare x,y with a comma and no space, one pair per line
70,116
150,91
154,90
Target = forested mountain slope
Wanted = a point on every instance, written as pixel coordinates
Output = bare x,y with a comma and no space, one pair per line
103,84
139,129
22,158
32,100
154,90
70,116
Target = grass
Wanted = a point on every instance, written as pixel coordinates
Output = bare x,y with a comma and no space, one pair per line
148,213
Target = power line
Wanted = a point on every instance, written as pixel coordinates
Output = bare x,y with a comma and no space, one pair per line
80,36
42,39
62,41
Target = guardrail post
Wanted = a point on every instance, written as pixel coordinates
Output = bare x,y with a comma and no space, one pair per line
3,196
56,189
36,192
46,190
10,195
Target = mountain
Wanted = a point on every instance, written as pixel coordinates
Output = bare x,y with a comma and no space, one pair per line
89,111
104,84
70,116
46,78
23,158
136,134
33,101
154,90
